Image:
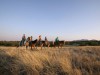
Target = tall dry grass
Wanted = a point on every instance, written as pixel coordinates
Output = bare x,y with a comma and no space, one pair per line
50,61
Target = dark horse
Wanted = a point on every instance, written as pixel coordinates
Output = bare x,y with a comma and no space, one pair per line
31,43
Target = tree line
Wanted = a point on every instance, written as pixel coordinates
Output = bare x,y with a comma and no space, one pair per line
85,43
71,43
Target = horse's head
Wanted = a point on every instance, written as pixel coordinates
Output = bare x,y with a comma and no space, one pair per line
36,40
28,39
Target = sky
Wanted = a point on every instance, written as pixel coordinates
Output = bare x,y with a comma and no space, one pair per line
67,19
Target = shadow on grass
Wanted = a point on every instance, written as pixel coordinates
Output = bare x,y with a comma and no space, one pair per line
11,65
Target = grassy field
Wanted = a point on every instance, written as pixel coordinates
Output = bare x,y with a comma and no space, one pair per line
50,61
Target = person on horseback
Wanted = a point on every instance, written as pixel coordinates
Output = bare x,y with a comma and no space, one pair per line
46,41
57,40
39,40
30,41
23,39
31,38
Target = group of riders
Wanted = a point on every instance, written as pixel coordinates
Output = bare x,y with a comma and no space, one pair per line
29,39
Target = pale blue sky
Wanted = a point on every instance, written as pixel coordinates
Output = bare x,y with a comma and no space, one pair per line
67,19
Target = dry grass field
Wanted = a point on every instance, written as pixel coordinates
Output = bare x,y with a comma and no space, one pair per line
50,61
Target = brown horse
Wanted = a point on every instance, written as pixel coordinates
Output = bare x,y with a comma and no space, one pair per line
43,44
39,44
58,44
46,44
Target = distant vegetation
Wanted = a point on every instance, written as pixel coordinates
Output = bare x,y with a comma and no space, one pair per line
85,43
72,43
9,43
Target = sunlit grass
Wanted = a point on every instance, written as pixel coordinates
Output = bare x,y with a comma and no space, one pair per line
50,61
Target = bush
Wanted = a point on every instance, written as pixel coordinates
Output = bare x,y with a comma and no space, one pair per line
9,43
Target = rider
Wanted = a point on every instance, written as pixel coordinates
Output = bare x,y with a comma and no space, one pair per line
46,39
39,39
57,40
30,42
23,39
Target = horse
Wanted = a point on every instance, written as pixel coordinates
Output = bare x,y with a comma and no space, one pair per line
31,43
46,43
58,44
42,43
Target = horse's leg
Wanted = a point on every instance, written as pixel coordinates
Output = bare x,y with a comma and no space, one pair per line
31,47
48,45
61,45
27,44
36,45
54,46
58,46
26,47
45,45
41,46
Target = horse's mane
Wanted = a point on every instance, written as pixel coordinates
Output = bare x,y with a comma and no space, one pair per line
34,41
